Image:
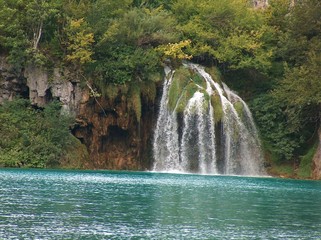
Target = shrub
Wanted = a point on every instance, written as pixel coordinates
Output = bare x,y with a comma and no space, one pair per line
32,137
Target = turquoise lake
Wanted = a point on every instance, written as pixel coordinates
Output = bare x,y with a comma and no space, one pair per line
55,204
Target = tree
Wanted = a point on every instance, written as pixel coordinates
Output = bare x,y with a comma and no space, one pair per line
227,32
102,12
301,86
127,50
23,24
296,94
299,29
80,41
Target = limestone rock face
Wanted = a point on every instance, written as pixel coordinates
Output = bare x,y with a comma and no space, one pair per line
37,81
69,92
11,82
45,86
112,134
40,86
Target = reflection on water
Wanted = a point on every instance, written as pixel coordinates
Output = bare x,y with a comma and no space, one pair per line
42,204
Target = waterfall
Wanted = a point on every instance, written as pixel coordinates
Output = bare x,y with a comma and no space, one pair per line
166,135
204,127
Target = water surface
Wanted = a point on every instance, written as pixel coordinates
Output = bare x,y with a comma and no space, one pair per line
48,204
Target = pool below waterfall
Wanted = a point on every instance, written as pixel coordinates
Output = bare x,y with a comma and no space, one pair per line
52,204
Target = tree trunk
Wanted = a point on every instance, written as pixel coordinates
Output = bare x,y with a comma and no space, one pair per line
37,35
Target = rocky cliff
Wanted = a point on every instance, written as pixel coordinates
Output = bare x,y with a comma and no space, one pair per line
12,83
109,128
44,86
115,136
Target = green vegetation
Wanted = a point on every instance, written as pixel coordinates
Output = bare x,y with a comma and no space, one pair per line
217,106
32,137
184,84
148,91
124,41
286,100
215,73
294,169
284,170
178,89
273,122
271,56
135,101
75,156
306,163
239,109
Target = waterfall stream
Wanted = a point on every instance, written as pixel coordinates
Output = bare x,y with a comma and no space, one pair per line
210,129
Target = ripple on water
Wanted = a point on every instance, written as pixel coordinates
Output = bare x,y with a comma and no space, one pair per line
43,204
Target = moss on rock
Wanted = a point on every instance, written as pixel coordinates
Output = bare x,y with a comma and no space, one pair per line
217,106
198,79
239,109
186,95
134,100
148,91
111,91
155,77
215,74
180,80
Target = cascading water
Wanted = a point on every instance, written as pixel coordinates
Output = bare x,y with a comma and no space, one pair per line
204,127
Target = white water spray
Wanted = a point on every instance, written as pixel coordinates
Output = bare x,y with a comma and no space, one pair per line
194,141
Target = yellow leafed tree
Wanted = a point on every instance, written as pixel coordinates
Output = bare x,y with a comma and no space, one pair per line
80,41
175,51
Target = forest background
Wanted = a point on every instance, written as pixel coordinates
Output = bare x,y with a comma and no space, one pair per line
271,56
